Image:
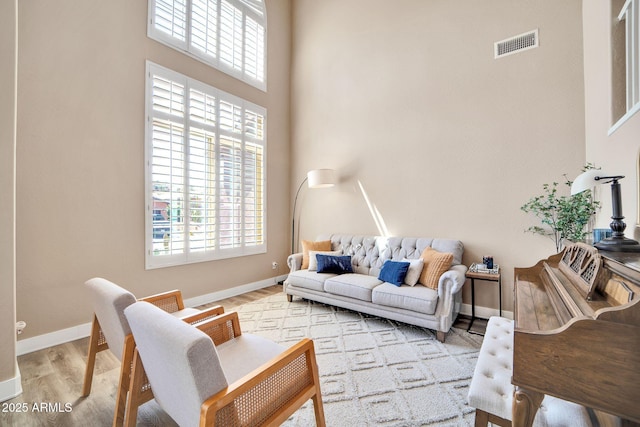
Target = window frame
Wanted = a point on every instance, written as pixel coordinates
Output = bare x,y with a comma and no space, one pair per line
185,46
630,14
189,255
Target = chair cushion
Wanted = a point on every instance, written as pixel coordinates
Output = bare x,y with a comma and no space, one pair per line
181,362
185,312
353,285
417,298
245,353
109,301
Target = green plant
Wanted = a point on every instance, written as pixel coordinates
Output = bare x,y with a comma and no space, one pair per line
562,217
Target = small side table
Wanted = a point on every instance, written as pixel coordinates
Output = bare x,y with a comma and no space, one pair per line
489,278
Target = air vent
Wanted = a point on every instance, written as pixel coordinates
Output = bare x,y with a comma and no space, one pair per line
516,44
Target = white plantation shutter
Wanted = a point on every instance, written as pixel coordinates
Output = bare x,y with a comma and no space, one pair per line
169,19
167,159
230,35
205,172
204,27
255,5
254,50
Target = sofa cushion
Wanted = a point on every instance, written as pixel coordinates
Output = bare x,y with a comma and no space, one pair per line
308,279
307,245
416,298
357,286
313,260
340,264
394,272
435,264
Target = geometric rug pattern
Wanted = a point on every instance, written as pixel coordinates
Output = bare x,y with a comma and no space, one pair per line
373,371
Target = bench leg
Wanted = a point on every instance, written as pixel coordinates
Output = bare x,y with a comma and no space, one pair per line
440,336
484,418
289,297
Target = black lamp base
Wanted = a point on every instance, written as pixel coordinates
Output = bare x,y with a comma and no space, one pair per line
618,244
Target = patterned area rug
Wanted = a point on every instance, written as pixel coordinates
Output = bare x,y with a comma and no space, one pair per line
373,371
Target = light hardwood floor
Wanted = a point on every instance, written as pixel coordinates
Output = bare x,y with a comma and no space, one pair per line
53,377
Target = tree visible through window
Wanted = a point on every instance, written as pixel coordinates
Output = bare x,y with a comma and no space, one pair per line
227,34
205,171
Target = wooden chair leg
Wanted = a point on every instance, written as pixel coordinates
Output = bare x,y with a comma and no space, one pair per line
123,383
91,356
137,396
318,408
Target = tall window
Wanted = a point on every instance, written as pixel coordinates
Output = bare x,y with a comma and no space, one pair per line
626,61
205,172
227,34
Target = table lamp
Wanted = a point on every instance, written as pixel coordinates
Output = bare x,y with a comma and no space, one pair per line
617,242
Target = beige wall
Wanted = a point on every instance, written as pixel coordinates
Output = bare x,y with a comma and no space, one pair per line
80,207
618,153
8,33
405,100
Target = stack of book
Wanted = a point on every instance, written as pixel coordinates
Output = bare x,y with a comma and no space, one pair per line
482,268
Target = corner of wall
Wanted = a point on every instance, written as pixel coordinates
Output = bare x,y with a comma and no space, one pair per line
11,387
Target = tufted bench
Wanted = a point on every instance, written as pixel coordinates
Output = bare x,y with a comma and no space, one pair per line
491,391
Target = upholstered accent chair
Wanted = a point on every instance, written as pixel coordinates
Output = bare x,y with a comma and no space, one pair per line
110,330
214,375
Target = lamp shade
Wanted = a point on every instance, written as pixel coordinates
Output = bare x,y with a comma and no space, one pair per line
321,178
586,181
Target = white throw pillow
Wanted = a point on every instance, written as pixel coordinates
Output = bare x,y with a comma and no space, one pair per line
415,268
313,261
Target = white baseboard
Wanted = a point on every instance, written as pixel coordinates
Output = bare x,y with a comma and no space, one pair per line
232,292
12,387
29,345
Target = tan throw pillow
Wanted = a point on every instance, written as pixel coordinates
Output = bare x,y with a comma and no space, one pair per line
435,264
324,245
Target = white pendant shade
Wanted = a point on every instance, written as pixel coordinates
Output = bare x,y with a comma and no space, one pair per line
321,178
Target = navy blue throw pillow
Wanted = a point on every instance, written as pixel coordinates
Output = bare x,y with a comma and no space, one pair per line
334,264
394,272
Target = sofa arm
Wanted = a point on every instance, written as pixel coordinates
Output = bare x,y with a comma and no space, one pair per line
294,261
452,280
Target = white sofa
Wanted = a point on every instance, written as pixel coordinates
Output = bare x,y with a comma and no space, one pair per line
362,290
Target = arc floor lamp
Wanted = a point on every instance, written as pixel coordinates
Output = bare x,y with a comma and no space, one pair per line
617,242
317,178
